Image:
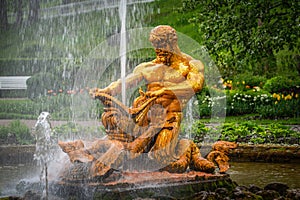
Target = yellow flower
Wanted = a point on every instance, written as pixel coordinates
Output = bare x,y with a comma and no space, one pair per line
274,95
296,95
288,97
282,95
278,97
243,82
276,102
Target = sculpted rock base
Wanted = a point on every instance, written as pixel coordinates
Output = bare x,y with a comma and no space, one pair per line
135,185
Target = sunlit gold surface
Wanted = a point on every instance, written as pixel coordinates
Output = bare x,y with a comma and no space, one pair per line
219,154
151,125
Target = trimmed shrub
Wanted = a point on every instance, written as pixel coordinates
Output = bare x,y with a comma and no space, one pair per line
282,84
16,132
248,81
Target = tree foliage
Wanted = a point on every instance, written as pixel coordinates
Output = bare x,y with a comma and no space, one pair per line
34,6
3,15
240,33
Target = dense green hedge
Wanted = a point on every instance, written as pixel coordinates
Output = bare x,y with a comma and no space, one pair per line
13,93
61,106
18,107
15,133
247,80
282,84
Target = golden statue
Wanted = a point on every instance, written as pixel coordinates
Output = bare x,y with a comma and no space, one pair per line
151,125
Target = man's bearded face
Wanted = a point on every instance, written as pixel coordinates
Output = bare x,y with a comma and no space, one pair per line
163,56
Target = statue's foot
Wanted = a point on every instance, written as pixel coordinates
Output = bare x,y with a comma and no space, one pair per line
71,146
76,151
80,155
219,155
224,146
221,159
203,165
100,171
223,168
178,166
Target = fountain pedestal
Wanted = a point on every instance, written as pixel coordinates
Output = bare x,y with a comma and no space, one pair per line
149,129
134,185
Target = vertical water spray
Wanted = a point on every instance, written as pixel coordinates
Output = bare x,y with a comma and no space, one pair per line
122,15
45,146
189,118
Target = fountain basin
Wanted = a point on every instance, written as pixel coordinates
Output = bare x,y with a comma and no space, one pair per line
131,185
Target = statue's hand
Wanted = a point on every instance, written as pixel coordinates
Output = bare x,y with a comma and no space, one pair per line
96,91
156,93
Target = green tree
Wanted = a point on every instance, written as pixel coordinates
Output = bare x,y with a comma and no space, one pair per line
19,10
246,34
34,6
3,15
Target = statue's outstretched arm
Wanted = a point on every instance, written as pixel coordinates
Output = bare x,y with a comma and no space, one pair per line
115,87
131,80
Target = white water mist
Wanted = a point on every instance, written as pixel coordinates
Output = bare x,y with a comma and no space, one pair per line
122,14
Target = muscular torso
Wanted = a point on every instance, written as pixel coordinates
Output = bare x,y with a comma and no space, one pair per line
161,76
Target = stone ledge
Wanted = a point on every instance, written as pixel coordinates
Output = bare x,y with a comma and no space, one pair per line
159,185
16,154
265,153
261,153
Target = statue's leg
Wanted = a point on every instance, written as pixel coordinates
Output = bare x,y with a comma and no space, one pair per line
183,151
199,163
76,151
141,143
163,150
221,160
110,160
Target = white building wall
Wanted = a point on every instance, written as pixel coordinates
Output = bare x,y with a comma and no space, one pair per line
13,82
